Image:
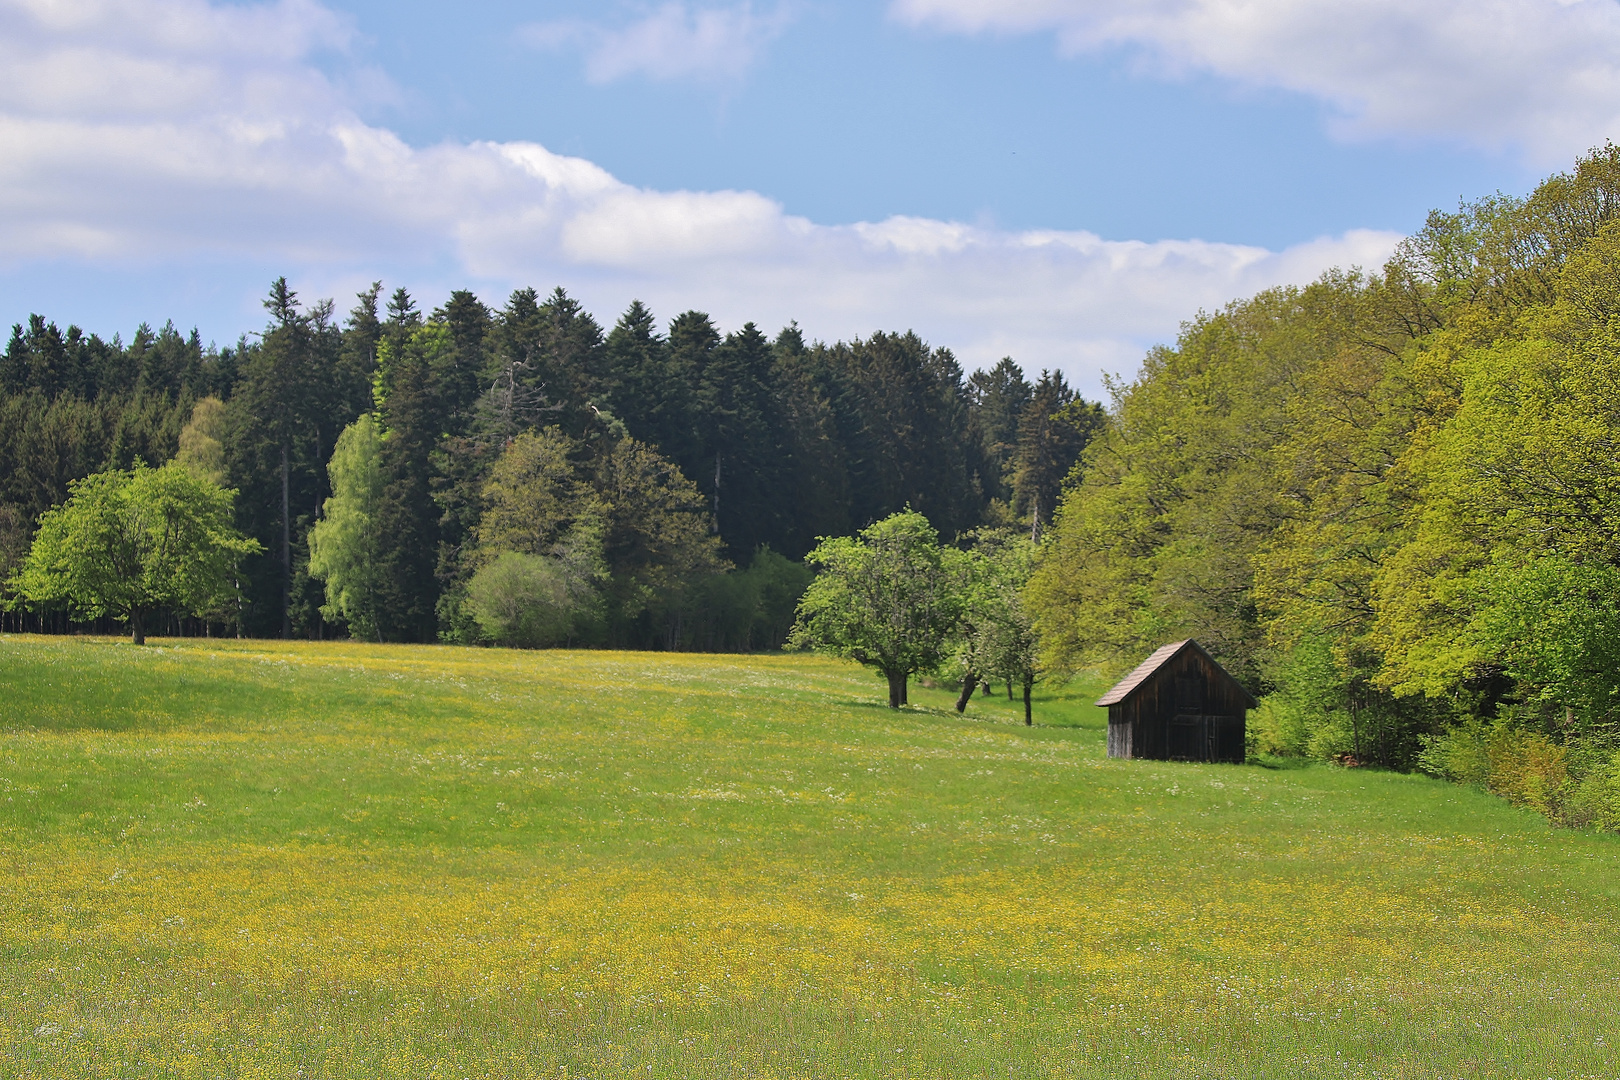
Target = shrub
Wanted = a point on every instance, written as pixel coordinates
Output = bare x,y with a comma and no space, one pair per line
527,601
1575,784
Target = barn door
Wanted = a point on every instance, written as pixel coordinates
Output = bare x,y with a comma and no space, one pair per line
1189,733
1187,737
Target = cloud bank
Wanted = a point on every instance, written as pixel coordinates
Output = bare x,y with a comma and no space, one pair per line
161,132
1538,76
706,44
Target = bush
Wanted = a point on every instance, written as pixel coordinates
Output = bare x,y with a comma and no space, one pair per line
525,601
1527,768
1325,708
1594,800
1574,784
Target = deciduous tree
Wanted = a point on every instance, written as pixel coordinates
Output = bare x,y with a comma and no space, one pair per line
128,543
890,597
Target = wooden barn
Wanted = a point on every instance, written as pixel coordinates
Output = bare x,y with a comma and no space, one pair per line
1178,705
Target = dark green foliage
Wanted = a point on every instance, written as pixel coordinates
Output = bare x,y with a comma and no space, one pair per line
1053,431
414,411
296,390
781,442
746,610
999,398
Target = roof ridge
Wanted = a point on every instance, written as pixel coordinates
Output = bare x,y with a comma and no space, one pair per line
1159,657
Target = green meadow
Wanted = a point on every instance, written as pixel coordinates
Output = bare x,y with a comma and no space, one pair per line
256,859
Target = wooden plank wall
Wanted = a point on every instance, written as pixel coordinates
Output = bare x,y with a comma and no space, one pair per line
1188,710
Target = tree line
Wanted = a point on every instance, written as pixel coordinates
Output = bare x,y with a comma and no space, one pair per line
1390,501
519,474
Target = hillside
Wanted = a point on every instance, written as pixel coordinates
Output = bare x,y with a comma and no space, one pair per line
231,858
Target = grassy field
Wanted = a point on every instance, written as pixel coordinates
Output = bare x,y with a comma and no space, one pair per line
223,859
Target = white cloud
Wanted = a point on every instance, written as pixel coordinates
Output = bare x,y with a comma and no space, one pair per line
227,144
704,44
1540,76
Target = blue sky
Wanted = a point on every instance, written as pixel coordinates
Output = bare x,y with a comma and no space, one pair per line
851,115
1062,180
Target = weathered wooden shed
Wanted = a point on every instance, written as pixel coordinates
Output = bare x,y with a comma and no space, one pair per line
1178,705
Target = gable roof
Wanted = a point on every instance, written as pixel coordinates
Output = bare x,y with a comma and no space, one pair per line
1162,656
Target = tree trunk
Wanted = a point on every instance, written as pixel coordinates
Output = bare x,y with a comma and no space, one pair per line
989,691
897,688
286,551
969,684
1009,690
1029,717
717,493
320,619
137,628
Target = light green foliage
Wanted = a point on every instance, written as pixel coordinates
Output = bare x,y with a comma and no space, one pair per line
890,597
411,359
1177,497
996,640
1576,783
1303,716
202,441
1554,626
1525,469
127,543
1390,501
532,495
247,859
537,601
1593,797
1318,709
344,545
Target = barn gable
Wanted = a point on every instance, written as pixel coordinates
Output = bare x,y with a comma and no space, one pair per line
1179,705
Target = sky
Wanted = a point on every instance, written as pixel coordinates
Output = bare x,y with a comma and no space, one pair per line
1062,181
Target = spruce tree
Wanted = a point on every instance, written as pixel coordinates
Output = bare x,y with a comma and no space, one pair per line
1053,432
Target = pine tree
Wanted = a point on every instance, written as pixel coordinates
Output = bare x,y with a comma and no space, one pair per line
639,390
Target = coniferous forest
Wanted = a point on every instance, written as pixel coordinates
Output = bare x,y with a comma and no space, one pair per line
438,470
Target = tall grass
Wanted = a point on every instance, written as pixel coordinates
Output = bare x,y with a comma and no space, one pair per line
249,859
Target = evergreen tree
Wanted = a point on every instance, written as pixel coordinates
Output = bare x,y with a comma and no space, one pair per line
412,415
654,406
998,398
1052,434
294,395
740,433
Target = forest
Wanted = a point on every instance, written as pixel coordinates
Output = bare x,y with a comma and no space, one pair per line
422,476
1389,500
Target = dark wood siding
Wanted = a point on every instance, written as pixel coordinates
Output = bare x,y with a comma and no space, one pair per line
1189,709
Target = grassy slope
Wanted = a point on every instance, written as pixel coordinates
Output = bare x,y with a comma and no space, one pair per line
243,858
